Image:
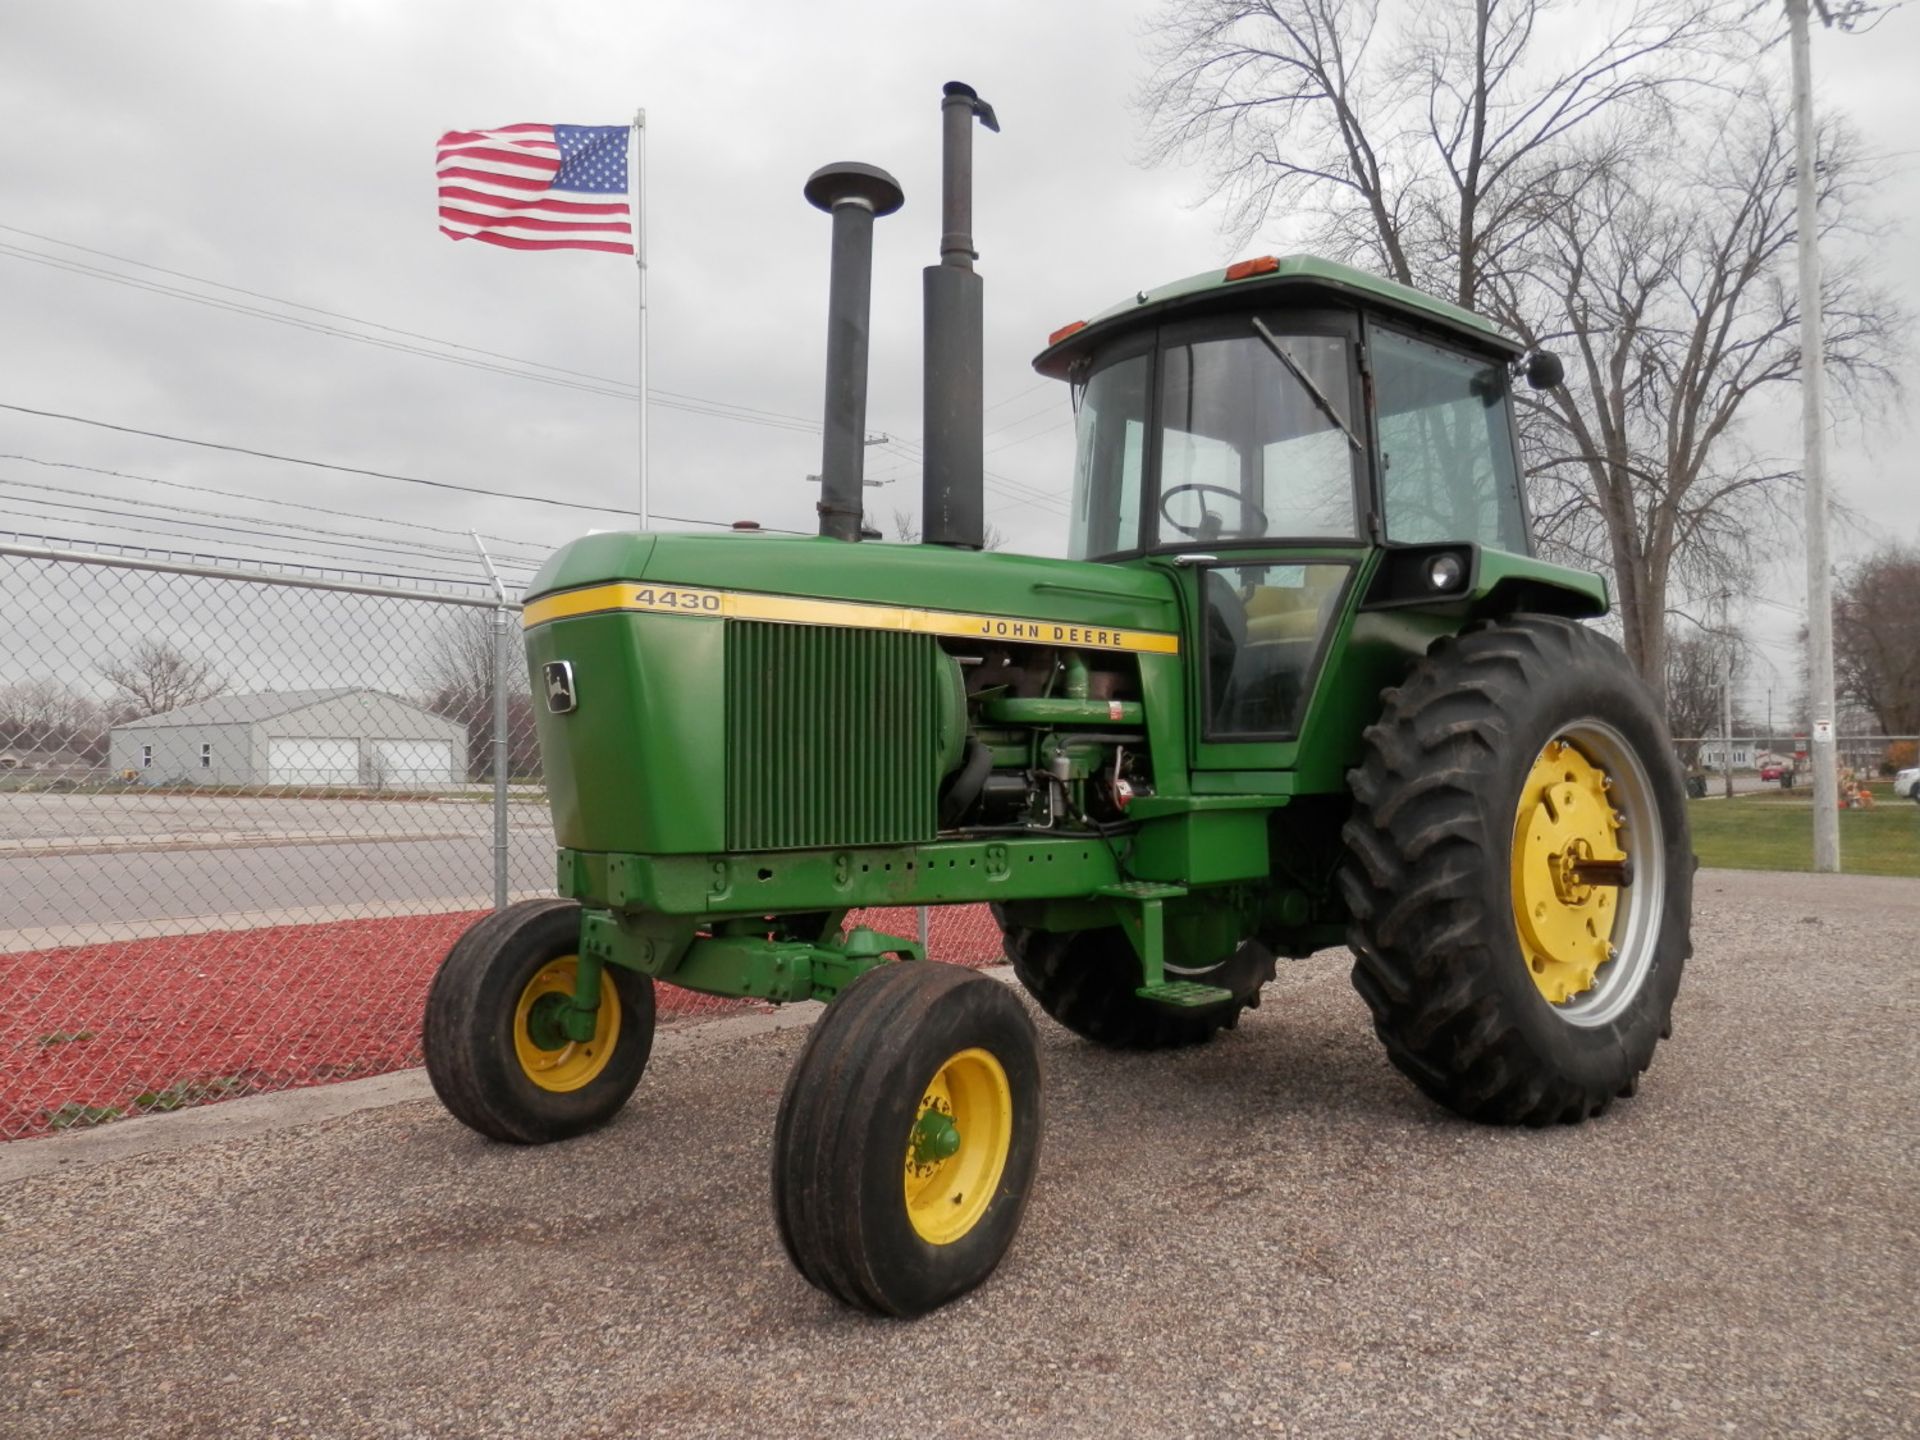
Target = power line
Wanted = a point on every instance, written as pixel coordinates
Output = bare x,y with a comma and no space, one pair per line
390,475
312,549
1019,491
314,327
1006,400
333,538
260,499
1052,407
322,464
280,566
314,309
410,334
1023,439
626,392
580,380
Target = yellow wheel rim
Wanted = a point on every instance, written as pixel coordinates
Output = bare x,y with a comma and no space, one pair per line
966,1109
574,1063
1564,820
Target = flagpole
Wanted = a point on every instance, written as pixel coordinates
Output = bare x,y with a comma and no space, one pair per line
640,261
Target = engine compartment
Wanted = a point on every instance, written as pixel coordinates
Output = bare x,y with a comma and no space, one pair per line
1056,741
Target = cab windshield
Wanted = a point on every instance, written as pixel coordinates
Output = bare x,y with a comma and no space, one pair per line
1258,439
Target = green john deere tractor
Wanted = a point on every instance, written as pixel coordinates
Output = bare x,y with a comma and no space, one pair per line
1302,683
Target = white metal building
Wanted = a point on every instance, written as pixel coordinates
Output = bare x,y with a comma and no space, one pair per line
346,737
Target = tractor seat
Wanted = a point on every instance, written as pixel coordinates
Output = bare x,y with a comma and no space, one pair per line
1281,612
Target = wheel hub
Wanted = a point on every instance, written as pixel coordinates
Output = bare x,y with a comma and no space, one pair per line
547,1055
958,1146
1568,865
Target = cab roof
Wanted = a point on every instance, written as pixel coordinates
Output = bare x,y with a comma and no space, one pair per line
1265,280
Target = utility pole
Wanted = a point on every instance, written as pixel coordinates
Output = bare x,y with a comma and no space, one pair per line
1726,698
1813,421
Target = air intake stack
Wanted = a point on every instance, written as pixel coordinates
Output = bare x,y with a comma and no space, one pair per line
953,507
855,195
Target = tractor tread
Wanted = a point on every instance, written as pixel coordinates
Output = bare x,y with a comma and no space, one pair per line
1421,843
466,1031
837,1153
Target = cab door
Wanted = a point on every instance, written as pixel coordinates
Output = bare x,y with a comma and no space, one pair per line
1258,496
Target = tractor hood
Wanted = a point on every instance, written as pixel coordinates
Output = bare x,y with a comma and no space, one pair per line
712,568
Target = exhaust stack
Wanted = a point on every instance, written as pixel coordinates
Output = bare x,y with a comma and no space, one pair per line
952,500
855,195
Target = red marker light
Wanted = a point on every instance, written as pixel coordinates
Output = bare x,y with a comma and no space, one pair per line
1260,265
1064,331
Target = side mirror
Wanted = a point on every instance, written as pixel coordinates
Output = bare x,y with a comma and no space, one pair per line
1542,369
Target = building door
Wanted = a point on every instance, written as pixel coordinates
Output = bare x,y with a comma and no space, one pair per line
313,762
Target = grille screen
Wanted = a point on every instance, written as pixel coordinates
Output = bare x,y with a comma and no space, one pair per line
831,736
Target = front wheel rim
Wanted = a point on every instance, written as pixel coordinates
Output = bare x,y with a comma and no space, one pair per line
958,1146
1588,948
572,1064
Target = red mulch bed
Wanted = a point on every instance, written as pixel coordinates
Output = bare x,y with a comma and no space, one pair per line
94,1033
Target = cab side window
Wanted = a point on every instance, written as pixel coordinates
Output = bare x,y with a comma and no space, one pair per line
1447,469
1265,624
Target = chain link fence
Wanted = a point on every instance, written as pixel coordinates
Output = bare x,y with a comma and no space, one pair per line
244,814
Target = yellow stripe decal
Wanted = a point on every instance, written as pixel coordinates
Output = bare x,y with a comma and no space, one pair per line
795,610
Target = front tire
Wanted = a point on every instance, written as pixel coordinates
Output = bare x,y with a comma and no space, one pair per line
1511,774
908,1137
493,1053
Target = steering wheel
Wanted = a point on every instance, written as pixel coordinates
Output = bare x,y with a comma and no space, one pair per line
1209,527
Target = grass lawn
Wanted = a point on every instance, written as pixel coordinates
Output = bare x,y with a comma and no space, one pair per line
1772,831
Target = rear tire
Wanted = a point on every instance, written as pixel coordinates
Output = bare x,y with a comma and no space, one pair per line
870,1212
1085,979
1458,805
489,1065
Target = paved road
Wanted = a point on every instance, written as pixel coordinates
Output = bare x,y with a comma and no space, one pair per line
38,816
1273,1234
75,869
78,899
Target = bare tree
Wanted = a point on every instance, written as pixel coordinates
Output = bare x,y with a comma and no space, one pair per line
1572,202
458,677
1669,284
1418,139
1876,634
158,676
1694,674
47,715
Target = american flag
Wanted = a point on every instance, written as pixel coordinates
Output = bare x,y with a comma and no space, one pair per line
515,186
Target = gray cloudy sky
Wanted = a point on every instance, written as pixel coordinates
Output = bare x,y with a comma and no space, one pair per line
287,148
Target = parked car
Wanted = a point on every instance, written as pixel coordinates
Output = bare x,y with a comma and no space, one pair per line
1907,783
1772,770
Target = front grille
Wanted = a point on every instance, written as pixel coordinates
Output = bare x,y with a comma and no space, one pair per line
831,736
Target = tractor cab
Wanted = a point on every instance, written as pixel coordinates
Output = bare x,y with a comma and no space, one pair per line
1281,434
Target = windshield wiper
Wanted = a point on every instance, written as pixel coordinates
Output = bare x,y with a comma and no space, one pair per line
1293,367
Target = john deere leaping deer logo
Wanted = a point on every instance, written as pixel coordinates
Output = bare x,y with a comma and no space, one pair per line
560,696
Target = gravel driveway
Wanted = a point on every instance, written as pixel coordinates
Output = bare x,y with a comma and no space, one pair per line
1272,1235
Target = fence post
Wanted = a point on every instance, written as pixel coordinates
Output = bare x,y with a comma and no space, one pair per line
502,662
502,659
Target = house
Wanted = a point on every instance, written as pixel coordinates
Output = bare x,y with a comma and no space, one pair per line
300,738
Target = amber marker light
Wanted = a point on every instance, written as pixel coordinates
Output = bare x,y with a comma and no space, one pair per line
1065,330
1259,265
